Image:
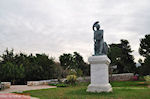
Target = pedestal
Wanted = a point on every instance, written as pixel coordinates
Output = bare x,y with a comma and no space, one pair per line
99,74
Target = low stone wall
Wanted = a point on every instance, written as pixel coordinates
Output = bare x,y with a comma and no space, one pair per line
5,85
84,79
42,82
113,77
121,77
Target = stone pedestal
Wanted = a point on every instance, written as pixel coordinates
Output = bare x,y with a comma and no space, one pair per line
99,74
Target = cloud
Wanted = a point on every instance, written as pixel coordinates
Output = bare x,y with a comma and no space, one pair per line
57,26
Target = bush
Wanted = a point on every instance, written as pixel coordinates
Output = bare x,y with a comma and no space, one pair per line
62,85
135,78
71,79
147,78
141,78
79,73
59,85
0,86
72,72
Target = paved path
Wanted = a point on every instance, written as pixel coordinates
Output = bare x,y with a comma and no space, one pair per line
21,88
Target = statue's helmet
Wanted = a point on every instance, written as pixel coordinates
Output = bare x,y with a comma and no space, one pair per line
96,24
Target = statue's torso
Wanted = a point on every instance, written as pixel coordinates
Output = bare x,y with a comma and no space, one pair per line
98,35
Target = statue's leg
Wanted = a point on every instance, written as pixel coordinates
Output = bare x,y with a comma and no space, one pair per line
98,47
95,48
101,47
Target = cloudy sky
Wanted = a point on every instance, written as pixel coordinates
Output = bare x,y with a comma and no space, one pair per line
55,27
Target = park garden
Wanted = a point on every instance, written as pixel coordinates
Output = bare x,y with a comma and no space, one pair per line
121,90
18,68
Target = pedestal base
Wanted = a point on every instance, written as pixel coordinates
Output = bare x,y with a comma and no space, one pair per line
99,74
99,88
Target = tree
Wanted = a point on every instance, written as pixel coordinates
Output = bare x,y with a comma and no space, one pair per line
20,68
46,65
120,55
39,66
144,50
57,71
76,62
145,70
66,61
8,56
80,65
11,72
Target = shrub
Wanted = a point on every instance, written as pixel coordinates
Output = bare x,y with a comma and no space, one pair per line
71,79
79,73
0,86
147,78
62,85
52,84
141,78
59,85
68,72
72,72
135,78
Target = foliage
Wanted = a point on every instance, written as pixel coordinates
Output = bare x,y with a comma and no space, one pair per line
71,79
147,78
72,72
145,67
57,70
79,73
141,78
81,67
66,61
144,50
120,55
76,62
19,68
11,72
121,91
59,85
8,56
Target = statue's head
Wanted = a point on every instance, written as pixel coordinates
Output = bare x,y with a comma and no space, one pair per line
96,24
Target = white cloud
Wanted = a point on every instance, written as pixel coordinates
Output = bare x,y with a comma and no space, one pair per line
58,26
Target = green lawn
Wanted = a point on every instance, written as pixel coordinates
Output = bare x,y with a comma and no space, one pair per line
121,90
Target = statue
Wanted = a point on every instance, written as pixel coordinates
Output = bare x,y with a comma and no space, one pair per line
100,47
99,63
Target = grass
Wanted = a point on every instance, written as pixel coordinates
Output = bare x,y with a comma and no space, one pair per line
121,90
129,84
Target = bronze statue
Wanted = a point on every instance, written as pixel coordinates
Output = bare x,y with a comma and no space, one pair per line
100,47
